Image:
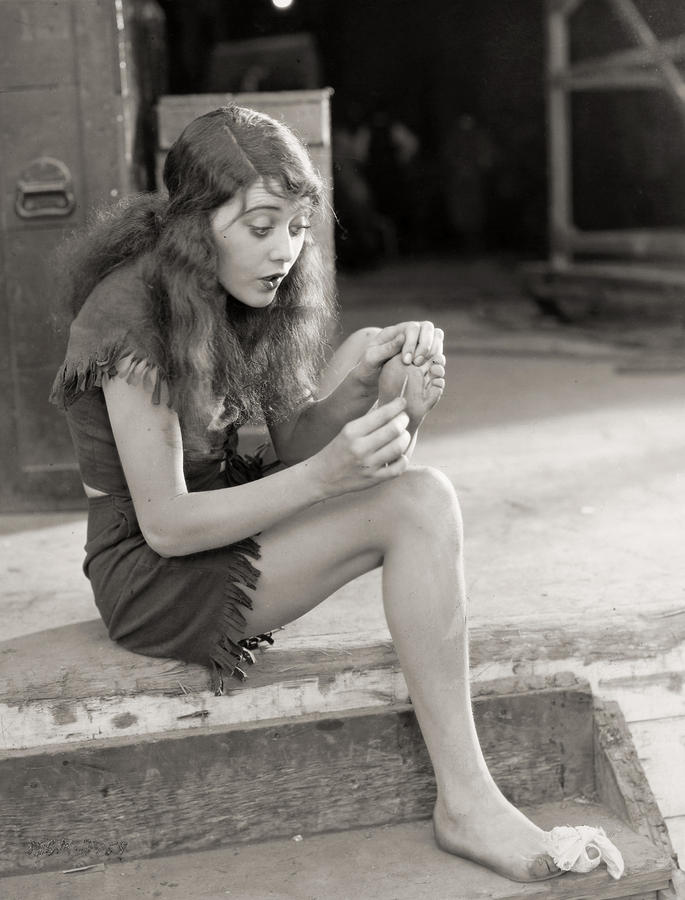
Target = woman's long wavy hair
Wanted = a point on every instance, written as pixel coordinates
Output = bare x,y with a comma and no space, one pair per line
224,362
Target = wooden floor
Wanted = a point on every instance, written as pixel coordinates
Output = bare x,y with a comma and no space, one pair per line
398,862
552,748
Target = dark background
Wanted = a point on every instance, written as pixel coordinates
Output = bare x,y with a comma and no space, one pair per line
467,81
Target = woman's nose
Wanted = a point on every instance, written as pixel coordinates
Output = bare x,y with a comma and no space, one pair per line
282,248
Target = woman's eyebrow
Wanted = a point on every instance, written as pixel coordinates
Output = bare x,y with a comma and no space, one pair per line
262,206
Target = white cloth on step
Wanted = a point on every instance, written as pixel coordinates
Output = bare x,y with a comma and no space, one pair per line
582,848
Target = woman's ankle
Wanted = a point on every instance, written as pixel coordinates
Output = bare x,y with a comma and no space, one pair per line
461,801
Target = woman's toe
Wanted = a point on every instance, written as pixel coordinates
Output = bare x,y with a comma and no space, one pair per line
543,867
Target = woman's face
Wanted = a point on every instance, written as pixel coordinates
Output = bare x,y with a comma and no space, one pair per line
258,235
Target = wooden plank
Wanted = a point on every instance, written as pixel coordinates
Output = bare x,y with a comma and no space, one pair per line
322,773
57,695
620,779
676,831
662,750
647,697
397,862
306,112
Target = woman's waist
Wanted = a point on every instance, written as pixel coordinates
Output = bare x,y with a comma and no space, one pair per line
197,478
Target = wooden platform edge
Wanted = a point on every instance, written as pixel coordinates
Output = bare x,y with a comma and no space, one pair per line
87,687
82,662
79,803
621,781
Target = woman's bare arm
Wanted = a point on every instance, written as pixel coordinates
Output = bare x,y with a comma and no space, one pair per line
317,422
176,522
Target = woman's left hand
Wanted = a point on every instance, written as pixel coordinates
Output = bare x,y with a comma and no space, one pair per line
414,341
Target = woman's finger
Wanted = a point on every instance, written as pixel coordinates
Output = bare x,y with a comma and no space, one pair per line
375,418
381,437
411,336
392,470
436,371
377,354
424,343
436,351
390,452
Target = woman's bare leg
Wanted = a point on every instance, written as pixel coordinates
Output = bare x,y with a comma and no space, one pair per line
412,526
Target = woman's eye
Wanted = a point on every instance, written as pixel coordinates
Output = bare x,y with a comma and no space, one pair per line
260,230
299,229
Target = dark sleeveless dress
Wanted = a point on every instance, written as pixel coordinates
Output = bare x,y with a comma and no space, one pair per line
186,607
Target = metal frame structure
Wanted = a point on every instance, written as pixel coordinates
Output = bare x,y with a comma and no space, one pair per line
652,65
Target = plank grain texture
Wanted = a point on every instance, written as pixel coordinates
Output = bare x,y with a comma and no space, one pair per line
212,786
79,660
397,862
620,778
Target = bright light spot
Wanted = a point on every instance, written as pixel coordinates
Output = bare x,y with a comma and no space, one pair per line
282,4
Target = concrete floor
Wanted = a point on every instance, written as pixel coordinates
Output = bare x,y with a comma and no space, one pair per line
566,445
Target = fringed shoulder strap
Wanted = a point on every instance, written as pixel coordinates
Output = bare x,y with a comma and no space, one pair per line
114,324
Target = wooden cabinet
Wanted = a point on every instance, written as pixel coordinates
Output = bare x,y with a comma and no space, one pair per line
66,113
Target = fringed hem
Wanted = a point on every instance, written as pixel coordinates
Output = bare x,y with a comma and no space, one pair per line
80,375
228,653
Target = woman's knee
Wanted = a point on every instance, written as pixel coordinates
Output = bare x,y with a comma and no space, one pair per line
423,499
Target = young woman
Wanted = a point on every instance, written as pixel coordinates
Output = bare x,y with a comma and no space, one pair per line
197,312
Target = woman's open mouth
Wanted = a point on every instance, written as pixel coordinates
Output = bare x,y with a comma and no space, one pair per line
271,282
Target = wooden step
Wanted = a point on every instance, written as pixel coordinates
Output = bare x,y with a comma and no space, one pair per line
397,862
73,683
133,797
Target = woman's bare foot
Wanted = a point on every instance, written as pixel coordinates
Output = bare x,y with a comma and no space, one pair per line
425,385
495,834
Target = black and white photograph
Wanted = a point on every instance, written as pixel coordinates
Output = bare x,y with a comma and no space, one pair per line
342,495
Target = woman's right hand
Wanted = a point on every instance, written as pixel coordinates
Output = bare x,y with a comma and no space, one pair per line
366,451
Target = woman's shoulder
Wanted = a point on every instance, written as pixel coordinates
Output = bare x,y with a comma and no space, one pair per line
119,302
116,323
